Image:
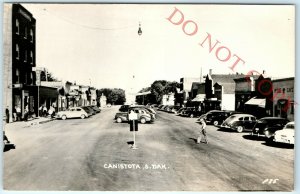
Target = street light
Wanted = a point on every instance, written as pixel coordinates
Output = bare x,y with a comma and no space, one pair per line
140,29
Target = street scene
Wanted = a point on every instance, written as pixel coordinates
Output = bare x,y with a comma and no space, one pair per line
94,154
148,97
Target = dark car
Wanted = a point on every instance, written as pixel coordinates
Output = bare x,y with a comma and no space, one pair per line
267,126
143,116
217,117
90,109
124,108
191,112
96,109
239,122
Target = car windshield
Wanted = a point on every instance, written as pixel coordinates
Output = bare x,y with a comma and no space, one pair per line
289,126
232,117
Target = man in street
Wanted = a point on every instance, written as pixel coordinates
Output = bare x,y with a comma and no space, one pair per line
202,136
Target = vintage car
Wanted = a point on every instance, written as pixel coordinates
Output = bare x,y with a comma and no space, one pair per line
266,127
286,135
239,122
143,116
74,112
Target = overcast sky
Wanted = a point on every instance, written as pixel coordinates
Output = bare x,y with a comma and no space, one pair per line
99,43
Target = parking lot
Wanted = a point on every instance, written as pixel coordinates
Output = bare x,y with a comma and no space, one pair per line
95,154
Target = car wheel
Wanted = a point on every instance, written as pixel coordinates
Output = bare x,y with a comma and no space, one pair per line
143,120
240,129
82,116
216,123
64,117
191,115
119,120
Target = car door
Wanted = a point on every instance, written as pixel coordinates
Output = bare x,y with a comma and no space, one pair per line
78,112
246,122
71,113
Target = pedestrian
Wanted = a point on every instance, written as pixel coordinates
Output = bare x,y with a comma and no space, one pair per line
18,110
7,114
202,138
26,113
45,111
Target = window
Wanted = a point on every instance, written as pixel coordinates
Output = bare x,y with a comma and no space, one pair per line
25,56
292,108
17,76
78,109
31,35
25,32
17,52
240,119
17,26
246,119
252,119
31,57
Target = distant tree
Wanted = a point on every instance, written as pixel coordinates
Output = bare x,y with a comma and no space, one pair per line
50,77
158,88
113,96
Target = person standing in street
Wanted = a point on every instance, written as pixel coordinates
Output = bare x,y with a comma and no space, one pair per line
202,136
7,114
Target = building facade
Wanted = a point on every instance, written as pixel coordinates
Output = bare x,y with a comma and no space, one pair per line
19,80
283,98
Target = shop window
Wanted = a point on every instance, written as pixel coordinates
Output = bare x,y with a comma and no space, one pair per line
17,52
17,26
292,107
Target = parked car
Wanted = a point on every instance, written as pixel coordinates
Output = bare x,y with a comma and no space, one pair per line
143,116
286,135
96,109
217,117
88,110
174,109
74,112
191,112
239,122
124,108
267,126
143,108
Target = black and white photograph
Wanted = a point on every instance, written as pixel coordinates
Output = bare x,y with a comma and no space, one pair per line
148,97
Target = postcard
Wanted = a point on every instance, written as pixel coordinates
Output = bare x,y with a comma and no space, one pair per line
148,97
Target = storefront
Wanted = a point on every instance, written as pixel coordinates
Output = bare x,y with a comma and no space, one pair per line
283,98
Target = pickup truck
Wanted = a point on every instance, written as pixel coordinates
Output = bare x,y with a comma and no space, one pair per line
143,116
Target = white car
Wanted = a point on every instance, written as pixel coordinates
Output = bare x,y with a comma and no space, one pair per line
286,135
75,112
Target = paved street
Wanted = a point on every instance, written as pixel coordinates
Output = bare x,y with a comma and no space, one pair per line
95,154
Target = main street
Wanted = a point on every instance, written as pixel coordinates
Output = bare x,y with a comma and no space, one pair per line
95,154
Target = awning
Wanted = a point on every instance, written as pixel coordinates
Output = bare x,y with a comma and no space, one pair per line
261,102
199,98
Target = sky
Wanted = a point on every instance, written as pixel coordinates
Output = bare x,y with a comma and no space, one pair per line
98,44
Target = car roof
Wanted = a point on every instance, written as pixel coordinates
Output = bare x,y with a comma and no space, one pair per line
272,118
291,123
243,115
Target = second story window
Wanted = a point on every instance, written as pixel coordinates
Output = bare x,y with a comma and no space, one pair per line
25,32
17,76
31,57
17,26
25,56
31,35
17,52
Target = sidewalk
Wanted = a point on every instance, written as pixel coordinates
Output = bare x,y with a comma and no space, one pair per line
30,122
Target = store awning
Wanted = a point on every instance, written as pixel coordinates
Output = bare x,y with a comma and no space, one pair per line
261,102
199,98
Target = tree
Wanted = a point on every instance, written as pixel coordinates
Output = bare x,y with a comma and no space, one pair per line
50,77
113,96
158,88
